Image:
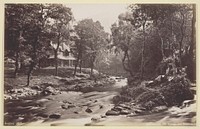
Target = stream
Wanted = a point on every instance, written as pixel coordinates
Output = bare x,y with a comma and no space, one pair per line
77,108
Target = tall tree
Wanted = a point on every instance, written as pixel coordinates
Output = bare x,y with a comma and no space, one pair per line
58,24
123,35
28,34
16,18
92,39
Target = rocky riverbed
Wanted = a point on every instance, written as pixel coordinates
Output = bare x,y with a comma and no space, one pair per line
56,107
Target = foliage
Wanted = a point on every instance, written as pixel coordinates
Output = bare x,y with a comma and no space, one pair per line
27,32
57,25
155,30
92,40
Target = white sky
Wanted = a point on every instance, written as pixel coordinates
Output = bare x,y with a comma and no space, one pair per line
107,14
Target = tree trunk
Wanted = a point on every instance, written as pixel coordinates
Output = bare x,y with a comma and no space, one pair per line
91,71
172,36
181,40
16,63
191,70
92,67
123,63
162,44
33,61
76,64
80,66
56,63
143,52
31,67
56,54
17,54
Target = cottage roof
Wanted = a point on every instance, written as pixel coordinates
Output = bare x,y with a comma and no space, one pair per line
62,46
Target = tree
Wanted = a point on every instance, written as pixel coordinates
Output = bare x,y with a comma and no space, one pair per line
92,39
16,18
26,24
58,24
123,35
172,23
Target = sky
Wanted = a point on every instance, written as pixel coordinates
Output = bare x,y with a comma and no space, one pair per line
107,14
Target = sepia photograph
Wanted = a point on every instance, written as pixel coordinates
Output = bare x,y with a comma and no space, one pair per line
81,64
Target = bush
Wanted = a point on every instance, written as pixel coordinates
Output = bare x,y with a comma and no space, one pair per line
176,93
121,98
168,93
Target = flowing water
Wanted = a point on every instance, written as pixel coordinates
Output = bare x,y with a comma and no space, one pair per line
88,109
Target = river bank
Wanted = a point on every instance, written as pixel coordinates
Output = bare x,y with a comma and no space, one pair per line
56,101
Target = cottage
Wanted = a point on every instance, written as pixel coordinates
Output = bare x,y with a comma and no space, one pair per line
65,57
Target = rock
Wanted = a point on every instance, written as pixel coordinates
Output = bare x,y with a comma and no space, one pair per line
124,112
95,101
64,106
138,111
55,116
7,97
36,87
131,115
71,106
161,78
186,103
112,113
103,116
75,112
88,110
42,115
49,90
20,91
133,103
149,83
100,106
42,100
124,106
66,101
82,75
95,119
118,108
67,106
20,119
159,108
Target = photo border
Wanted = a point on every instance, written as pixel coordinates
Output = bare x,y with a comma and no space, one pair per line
2,2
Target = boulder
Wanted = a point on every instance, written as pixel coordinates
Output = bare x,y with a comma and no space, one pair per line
187,103
55,116
125,112
118,108
131,115
36,87
88,110
161,78
42,115
76,112
49,90
112,113
67,106
159,109
71,106
124,106
95,119
64,106
103,116
100,106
